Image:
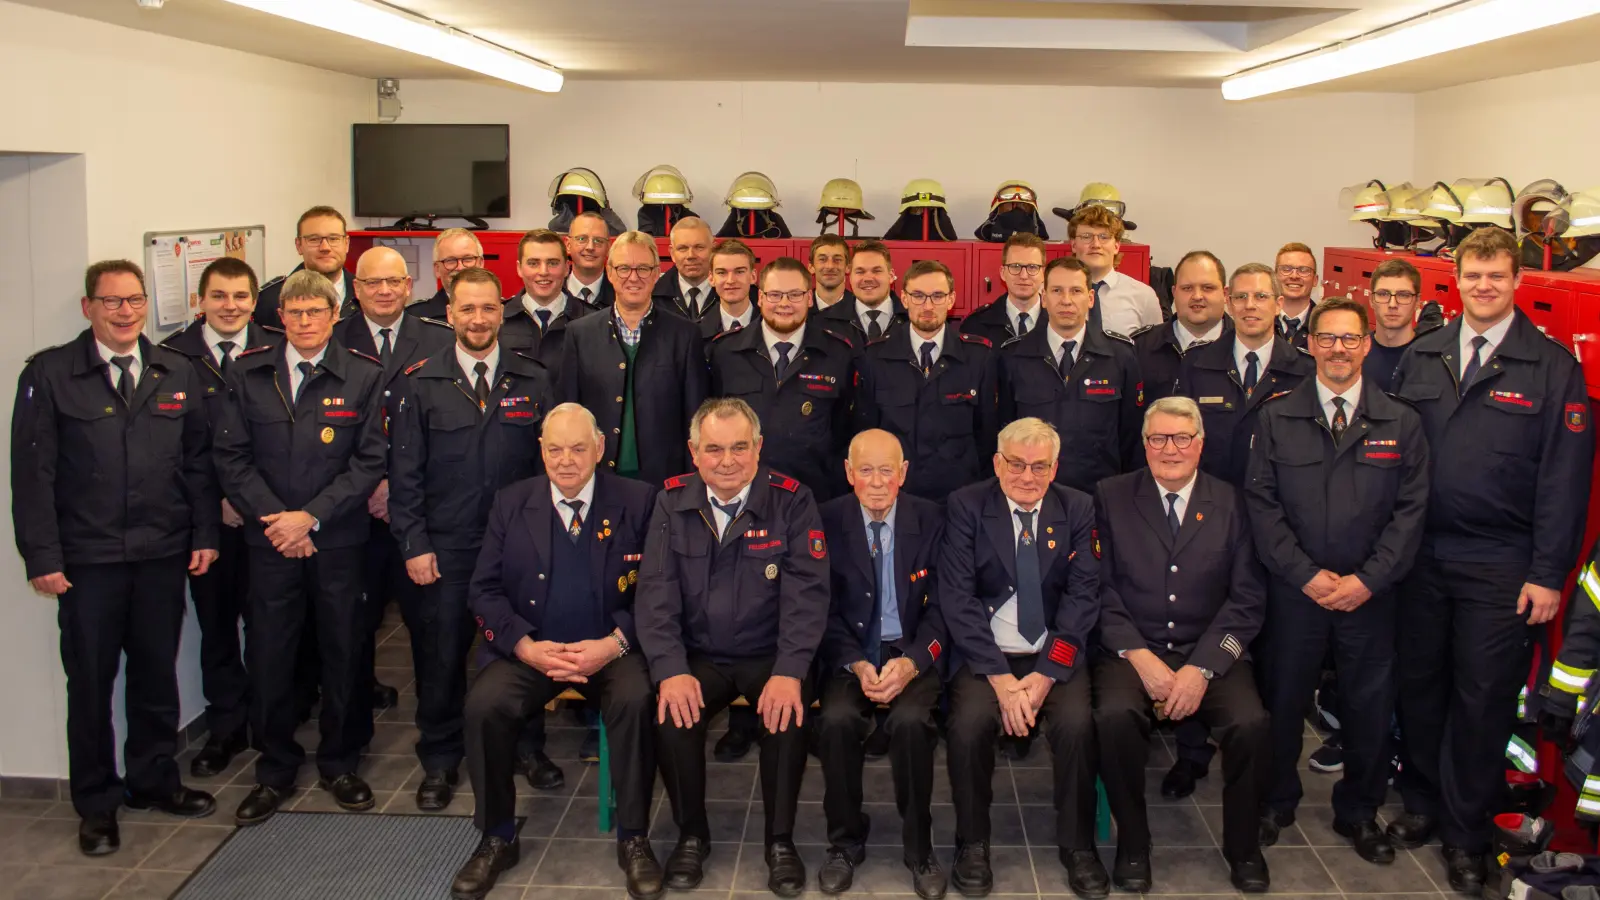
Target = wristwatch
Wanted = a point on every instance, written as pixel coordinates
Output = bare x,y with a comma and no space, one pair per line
1207,673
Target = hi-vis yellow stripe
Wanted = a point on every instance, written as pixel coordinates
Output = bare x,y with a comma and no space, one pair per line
1591,784
1591,584
1569,679
1588,804
1521,755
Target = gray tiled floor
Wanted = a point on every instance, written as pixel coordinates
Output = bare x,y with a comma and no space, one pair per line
566,858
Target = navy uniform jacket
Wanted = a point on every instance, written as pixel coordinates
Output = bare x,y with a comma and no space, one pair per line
1511,459
806,418
606,296
1354,509
511,584
268,303
855,620
992,321
447,459
760,591
978,574
669,384
191,342
417,340
668,295
1098,410
1202,594
323,454
435,307
520,331
711,326
1210,378
1301,331
947,420
847,297
840,318
1160,358
97,480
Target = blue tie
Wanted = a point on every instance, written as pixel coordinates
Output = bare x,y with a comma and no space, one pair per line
1030,590
729,509
883,577
1471,370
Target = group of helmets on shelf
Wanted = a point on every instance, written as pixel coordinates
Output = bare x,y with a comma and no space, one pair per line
752,201
1557,230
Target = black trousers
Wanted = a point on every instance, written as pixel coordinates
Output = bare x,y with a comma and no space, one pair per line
284,594
506,692
111,609
1194,742
1466,657
846,719
1299,634
219,601
1068,727
1231,709
441,635
384,579
683,750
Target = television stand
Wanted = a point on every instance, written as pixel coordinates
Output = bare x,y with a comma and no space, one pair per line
425,223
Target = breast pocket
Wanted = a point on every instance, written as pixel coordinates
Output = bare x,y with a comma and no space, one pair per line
1513,434
1036,393
450,434
744,384
336,427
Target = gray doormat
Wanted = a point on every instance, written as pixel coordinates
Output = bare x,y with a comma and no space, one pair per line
316,856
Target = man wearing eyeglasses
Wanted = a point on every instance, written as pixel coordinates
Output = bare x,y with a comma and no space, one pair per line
1296,268
588,239
1022,270
1199,299
299,450
323,241
1507,417
1181,598
876,307
932,387
798,376
1396,289
1122,305
454,250
1018,586
686,293
733,275
829,263
114,500
1338,494
1083,381
1231,377
640,370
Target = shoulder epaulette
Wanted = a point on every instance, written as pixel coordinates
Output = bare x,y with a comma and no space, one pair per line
432,321
38,353
259,348
1302,350
676,481
272,328
783,482
273,283
839,337
974,339
1117,336
1429,328
414,366
523,355
722,334
369,358
1143,328
1011,340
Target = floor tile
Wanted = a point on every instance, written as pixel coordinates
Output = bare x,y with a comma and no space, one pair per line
148,885
1298,870
1356,876
68,882
187,848
54,842
389,772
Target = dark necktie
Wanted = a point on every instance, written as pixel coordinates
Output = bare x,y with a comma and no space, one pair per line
874,330
1339,421
1172,513
1290,325
575,530
482,385
544,319
226,349
1252,371
305,378
694,301
1030,590
927,356
586,295
1098,287
735,325
781,367
1022,323
387,348
124,378
729,509
875,636
1066,357
1471,370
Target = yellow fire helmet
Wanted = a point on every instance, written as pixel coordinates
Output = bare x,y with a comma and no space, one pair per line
1487,202
1015,191
845,194
1100,193
920,193
1584,214
1366,201
752,190
579,183
1403,203
1438,203
662,186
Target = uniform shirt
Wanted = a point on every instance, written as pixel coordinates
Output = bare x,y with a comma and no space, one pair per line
557,307
1182,506
114,373
816,300
469,364
918,340
888,601
1186,337
1263,356
293,358
1495,334
1126,304
585,496
377,337
1057,342
706,295
214,337
772,338
1351,396
885,311
577,288
1300,322
1004,624
721,518
744,320
1034,314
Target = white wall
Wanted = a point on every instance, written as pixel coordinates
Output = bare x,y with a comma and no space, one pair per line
1239,179
150,133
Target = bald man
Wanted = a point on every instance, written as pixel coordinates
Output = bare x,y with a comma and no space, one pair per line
884,644
686,290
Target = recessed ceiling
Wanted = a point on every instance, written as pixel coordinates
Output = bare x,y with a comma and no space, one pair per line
1167,43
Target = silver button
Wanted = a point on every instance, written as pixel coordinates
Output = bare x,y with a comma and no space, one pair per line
1174,568
1169,646
1171,625
1172,598
541,576
861,624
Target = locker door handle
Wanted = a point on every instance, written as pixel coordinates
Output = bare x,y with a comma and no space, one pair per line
988,283
1542,306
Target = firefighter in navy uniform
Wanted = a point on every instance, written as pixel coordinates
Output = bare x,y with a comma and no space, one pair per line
299,449
536,318
732,601
113,498
1507,418
1199,301
798,376
228,291
1296,268
323,242
1230,378
932,387
454,250
874,308
1018,311
1081,380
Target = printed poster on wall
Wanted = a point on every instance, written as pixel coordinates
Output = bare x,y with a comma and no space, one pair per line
174,261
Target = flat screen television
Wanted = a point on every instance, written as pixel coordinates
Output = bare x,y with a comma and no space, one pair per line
441,171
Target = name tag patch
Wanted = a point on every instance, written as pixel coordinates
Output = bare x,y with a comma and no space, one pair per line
1511,397
934,649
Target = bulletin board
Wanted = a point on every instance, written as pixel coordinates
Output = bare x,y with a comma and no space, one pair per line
173,261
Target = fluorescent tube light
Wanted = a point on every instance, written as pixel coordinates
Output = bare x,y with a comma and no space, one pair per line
391,27
1450,28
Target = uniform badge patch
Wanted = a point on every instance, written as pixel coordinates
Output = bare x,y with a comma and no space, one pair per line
1575,418
1094,542
772,571
632,557
819,544
1231,646
327,435
1062,653
622,582
1139,390
488,634
935,648
805,408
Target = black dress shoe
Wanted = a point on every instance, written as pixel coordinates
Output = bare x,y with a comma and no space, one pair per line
1272,823
436,789
1465,871
686,864
733,745
215,756
927,879
877,745
1131,872
786,872
838,872
98,834
383,696
638,862
1086,874
1371,843
543,775
185,803
1249,875
476,878
1180,779
260,806
971,873
350,792
1411,830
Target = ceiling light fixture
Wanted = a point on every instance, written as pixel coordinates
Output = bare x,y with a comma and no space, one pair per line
383,24
1440,31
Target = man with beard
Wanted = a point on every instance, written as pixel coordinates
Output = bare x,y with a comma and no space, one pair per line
875,307
829,267
1296,268
588,240
323,242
